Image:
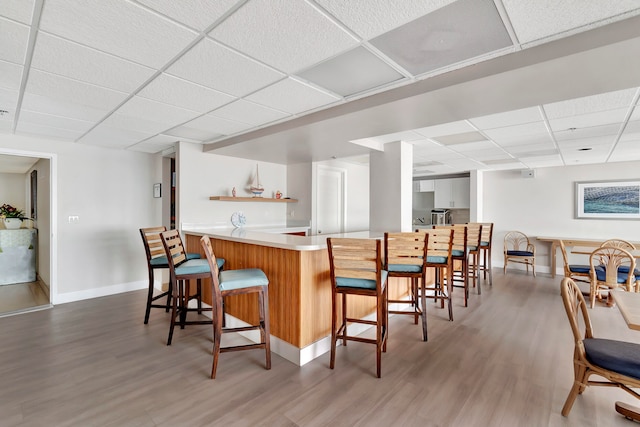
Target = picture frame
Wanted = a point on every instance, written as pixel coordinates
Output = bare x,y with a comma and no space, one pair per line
157,191
608,199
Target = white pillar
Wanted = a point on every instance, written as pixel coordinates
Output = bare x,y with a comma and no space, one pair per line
391,189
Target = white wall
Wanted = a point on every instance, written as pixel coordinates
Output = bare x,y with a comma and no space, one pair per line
13,191
545,206
111,192
201,175
299,186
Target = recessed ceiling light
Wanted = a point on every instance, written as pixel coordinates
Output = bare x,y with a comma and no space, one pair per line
584,149
572,129
3,112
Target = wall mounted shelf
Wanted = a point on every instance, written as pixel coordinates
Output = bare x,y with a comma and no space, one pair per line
251,199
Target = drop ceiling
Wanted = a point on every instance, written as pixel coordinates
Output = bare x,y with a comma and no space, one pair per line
471,84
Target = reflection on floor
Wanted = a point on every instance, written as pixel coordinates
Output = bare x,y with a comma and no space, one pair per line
22,296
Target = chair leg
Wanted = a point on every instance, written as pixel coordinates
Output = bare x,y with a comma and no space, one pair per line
450,290
379,334
174,311
344,319
488,252
149,297
265,329
334,321
423,297
414,299
217,334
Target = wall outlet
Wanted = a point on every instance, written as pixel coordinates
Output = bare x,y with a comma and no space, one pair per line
74,219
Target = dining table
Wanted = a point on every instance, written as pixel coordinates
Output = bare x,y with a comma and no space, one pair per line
628,304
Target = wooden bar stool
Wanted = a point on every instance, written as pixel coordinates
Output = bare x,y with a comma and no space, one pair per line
237,282
474,234
459,256
486,241
182,272
356,269
157,259
405,255
439,258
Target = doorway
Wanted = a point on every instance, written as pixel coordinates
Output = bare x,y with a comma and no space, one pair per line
330,200
34,175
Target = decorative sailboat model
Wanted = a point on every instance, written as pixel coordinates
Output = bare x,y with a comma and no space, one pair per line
256,188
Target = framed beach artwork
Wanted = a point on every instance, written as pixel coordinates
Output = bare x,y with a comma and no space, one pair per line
608,200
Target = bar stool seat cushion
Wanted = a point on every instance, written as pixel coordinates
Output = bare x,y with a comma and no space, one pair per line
161,261
472,248
349,282
484,244
193,266
618,356
520,253
436,259
457,252
404,268
244,278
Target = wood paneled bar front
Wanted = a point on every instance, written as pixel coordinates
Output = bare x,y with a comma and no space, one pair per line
299,285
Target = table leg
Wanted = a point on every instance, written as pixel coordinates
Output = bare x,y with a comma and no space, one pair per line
554,246
628,411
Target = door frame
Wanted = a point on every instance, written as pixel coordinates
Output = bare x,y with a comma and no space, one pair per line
317,191
53,208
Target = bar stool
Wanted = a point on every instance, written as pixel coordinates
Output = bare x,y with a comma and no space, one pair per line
182,271
459,256
157,259
486,244
474,234
405,255
356,269
439,258
237,282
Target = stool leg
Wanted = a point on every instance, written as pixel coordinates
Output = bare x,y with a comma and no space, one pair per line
344,319
334,321
423,297
185,291
414,299
174,312
217,333
265,329
379,333
149,297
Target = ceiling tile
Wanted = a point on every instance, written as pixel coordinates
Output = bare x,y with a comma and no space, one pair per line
574,144
18,10
352,72
47,131
445,129
182,93
13,43
272,23
508,118
248,112
543,161
78,127
626,151
590,104
182,132
73,91
8,102
500,135
590,132
198,14
533,20
219,68
457,32
56,107
589,120
526,149
73,60
155,144
118,27
106,136
370,18
460,138
10,75
216,125
292,96
158,112
122,121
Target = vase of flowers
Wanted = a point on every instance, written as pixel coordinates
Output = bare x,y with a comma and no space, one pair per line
11,216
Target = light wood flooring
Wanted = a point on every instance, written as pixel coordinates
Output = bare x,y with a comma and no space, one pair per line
504,361
19,297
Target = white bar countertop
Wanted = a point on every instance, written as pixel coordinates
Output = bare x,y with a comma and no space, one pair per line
270,236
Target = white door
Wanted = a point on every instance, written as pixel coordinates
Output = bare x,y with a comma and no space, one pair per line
330,204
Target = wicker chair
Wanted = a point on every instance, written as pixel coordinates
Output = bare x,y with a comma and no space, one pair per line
616,361
518,249
609,268
576,272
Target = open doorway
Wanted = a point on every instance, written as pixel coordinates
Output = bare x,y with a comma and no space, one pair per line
26,183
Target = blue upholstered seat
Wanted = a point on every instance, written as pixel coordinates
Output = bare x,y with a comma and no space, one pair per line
472,248
436,259
520,253
484,244
457,252
161,261
625,269
193,266
404,268
350,282
580,269
244,278
618,356
601,275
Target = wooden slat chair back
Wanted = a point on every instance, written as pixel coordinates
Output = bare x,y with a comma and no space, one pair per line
439,258
474,237
486,246
405,255
237,282
356,269
460,256
182,272
616,361
519,249
610,267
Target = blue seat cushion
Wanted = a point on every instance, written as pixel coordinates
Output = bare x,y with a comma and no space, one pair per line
618,356
404,268
456,252
625,269
350,282
193,266
484,244
601,274
472,248
577,268
520,253
243,278
161,261
436,259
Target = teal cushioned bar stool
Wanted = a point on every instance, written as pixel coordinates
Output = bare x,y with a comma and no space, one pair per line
182,272
405,256
460,258
474,235
237,282
356,269
157,259
439,258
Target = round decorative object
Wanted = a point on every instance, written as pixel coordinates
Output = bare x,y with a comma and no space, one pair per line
12,223
238,219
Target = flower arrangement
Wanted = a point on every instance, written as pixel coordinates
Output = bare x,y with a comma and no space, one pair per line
8,211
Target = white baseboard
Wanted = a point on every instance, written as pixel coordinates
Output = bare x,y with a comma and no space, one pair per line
99,292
